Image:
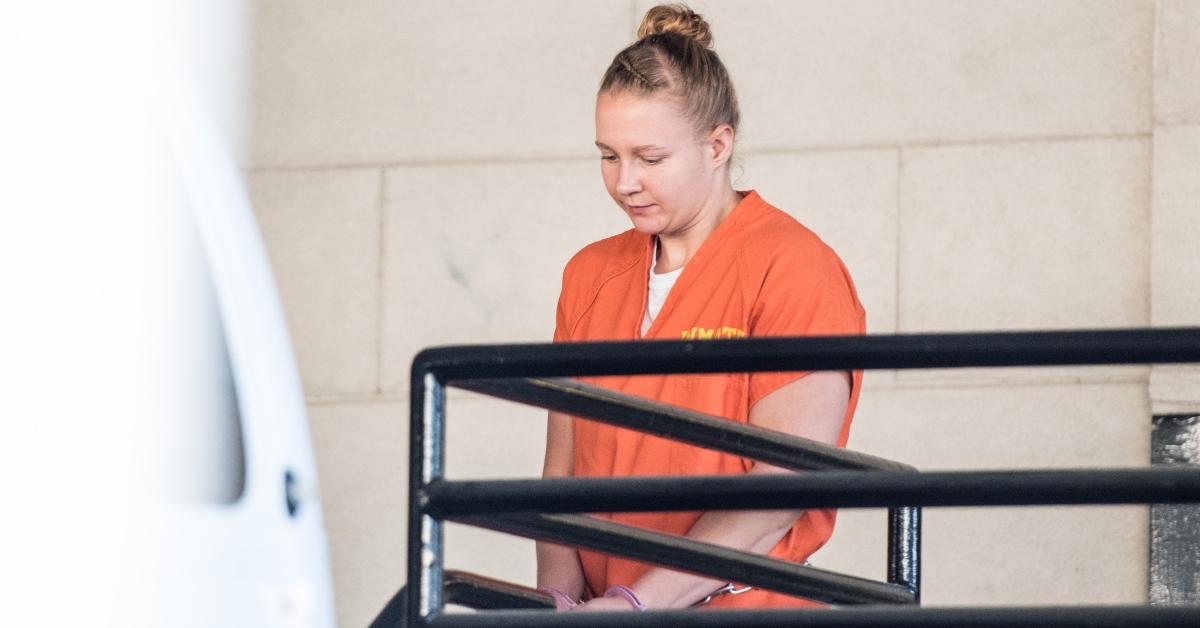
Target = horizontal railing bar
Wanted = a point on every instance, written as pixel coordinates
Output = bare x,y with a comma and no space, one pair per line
873,617
827,489
906,351
475,591
667,421
696,557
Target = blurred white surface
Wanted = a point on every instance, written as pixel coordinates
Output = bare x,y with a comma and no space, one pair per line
152,405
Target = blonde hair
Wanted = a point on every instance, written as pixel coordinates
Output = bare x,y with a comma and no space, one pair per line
674,55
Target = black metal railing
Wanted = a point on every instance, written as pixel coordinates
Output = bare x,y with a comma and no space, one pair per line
547,509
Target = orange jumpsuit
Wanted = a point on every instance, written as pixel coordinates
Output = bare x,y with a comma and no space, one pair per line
759,273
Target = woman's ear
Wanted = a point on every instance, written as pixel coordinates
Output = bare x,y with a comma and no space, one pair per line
720,142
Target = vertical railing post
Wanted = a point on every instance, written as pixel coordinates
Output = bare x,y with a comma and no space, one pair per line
904,548
427,448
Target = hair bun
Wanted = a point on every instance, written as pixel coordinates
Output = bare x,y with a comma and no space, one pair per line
677,19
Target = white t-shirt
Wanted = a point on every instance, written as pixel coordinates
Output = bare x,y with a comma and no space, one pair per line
660,287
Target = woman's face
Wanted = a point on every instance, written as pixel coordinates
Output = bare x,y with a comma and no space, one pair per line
654,165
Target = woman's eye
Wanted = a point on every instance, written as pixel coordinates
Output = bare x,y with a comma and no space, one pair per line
608,157
653,160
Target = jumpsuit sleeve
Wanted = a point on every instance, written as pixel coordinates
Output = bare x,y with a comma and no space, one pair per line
809,295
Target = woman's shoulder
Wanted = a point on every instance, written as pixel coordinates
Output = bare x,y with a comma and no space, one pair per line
603,259
771,236
599,262
591,268
790,271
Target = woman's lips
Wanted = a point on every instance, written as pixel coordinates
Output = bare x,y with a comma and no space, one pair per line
639,209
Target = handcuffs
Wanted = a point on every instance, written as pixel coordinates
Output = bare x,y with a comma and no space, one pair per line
564,602
728,589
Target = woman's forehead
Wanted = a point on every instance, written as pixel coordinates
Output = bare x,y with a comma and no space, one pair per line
632,120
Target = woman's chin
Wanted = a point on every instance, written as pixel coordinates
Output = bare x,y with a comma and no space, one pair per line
648,226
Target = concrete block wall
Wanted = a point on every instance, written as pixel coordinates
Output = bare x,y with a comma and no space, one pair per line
422,170
1175,224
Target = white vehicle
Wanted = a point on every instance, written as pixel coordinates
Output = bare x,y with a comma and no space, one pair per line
158,469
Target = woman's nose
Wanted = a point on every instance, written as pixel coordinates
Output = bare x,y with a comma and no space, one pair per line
628,181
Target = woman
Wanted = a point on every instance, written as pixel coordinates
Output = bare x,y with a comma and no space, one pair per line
703,261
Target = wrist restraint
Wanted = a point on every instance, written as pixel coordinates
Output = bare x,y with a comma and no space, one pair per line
622,591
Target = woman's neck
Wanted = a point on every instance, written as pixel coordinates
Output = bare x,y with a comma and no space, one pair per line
677,249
